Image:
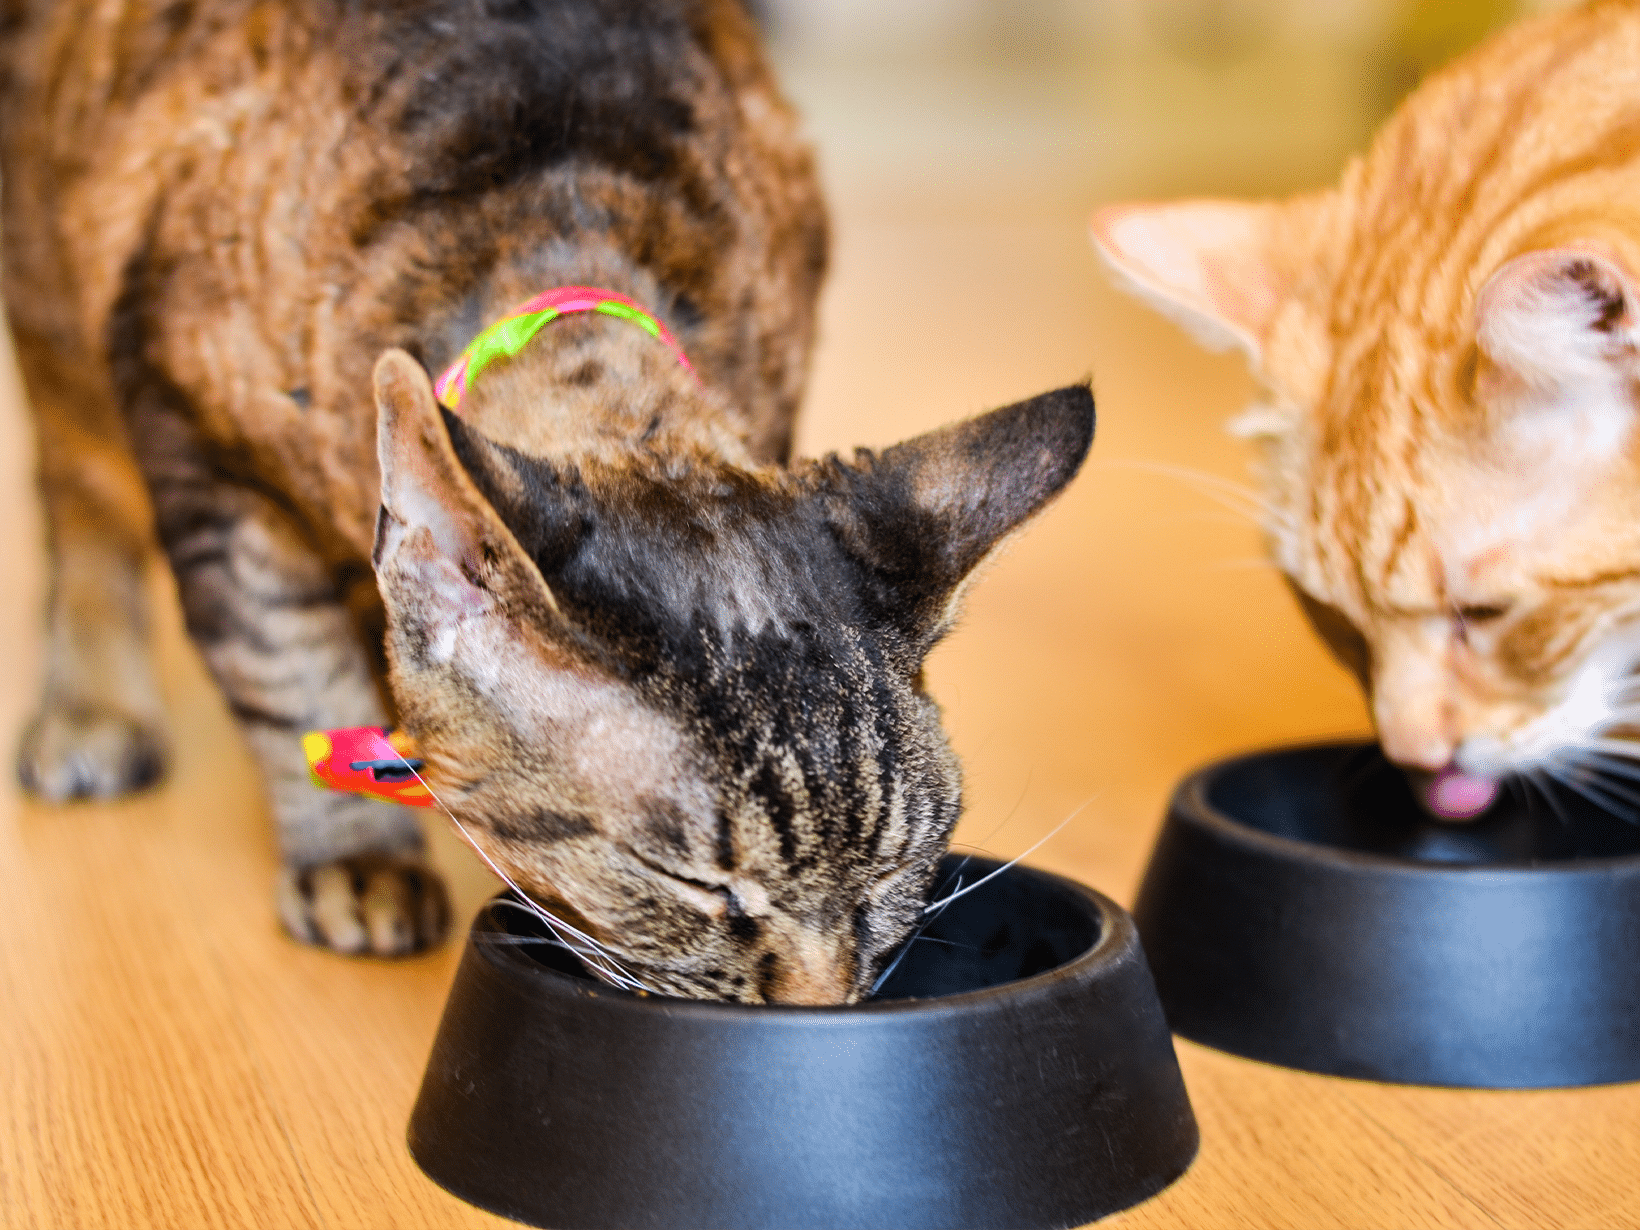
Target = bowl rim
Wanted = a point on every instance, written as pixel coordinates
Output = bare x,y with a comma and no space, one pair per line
1117,941
1201,812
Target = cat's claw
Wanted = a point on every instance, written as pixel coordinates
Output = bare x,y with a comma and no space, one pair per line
369,905
85,752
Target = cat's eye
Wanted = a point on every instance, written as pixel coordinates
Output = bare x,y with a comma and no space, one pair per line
1483,612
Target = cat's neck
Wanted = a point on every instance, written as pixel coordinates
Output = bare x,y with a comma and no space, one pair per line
592,387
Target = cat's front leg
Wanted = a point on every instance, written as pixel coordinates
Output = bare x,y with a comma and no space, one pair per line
272,624
100,729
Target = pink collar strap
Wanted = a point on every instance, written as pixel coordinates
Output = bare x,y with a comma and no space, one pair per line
513,331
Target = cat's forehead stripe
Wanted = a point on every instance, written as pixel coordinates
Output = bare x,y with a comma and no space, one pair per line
1593,580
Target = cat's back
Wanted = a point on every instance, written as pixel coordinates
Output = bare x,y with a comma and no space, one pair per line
1527,142
384,106
402,68
1535,131
253,196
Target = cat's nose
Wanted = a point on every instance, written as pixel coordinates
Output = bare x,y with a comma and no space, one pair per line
807,973
1415,736
1415,749
1416,726
802,987
1412,700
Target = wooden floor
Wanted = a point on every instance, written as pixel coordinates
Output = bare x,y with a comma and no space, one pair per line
168,1060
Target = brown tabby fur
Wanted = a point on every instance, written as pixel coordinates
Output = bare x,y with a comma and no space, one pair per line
669,685
1448,344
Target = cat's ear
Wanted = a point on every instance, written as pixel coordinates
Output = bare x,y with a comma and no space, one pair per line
1558,319
441,551
1210,265
924,514
481,660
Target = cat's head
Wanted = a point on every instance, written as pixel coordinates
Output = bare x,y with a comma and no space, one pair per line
680,703
1450,459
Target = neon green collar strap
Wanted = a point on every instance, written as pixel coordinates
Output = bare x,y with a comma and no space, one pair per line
513,332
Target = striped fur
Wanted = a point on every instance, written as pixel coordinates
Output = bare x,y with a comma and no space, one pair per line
678,697
669,683
1447,341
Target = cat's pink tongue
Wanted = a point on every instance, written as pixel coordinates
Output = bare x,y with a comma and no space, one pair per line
1454,795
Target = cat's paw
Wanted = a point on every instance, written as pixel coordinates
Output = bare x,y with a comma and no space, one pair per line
368,905
85,752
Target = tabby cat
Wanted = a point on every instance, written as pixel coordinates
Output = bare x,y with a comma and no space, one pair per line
1447,340
670,684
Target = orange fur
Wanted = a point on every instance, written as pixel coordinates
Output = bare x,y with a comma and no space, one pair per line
1447,340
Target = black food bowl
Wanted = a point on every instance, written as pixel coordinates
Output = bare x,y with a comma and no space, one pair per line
1301,908
1015,1071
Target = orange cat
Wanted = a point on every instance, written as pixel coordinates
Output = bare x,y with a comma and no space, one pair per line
1447,341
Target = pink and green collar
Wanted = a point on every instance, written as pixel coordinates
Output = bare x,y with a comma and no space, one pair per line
513,332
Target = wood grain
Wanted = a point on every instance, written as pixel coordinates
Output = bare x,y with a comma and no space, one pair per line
170,1061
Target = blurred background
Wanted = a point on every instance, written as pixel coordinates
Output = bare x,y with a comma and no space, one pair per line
164,1037
1135,632
1118,95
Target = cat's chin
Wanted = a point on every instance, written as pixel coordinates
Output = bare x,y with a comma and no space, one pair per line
1451,795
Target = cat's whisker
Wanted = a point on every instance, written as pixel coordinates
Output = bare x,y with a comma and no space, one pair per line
956,873
1623,803
979,847
935,939
927,920
1052,833
905,947
587,955
592,953
593,961
606,965
1586,767
524,940
1608,778
1617,749
1606,802
587,947
969,853
1210,516
1237,497
1618,766
1534,778
1203,480
1517,790
1594,794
